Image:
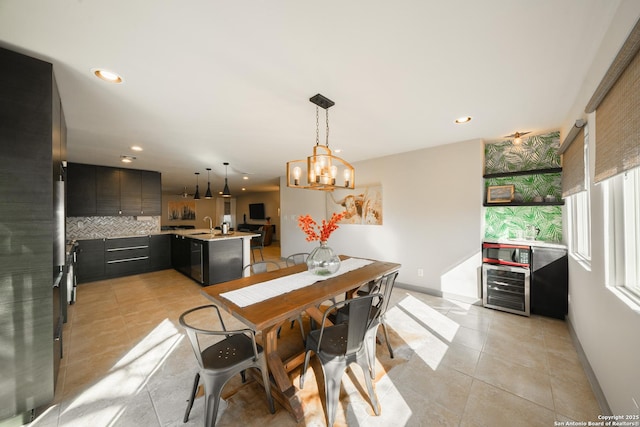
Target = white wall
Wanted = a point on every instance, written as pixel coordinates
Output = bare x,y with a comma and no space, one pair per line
432,213
608,330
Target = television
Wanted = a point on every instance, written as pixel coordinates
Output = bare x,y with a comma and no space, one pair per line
256,211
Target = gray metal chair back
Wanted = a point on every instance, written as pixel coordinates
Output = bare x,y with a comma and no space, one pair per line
295,259
235,352
258,243
340,345
260,267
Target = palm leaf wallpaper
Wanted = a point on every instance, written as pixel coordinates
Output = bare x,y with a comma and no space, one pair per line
535,153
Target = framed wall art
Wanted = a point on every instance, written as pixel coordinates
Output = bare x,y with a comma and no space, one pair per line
363,205
182,209
500,193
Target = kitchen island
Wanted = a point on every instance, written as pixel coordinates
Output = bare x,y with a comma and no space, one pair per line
210,257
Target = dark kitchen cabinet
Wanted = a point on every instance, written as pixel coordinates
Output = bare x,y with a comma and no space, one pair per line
126,256
106,191
81,190
130,192
151,193
196,269
549,282
181,254
207,261
159,252
90,259
30,125
223,261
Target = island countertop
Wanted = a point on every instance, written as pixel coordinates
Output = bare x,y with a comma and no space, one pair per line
198,233
206,234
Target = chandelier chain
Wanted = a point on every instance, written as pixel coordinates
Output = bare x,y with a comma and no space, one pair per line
317,126
326,113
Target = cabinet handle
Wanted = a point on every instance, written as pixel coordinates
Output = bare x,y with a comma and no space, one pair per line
115,261
127,248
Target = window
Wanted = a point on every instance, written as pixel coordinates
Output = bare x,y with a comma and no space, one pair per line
579,215
623,220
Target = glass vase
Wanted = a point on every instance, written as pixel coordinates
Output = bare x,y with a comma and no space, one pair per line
323,261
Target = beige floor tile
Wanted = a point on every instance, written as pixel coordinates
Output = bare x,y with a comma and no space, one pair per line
528,383
526,354
490,406
471,338
574,399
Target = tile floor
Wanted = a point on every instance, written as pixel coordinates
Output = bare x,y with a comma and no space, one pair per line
128,363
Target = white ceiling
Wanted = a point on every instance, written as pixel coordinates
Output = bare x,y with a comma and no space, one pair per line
209,81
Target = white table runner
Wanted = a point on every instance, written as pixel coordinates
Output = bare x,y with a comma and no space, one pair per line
272,288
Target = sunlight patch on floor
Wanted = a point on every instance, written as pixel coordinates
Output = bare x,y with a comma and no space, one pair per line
109,397
426,331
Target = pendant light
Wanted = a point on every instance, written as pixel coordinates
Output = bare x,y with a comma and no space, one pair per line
208,193
197,195
322,168
225,191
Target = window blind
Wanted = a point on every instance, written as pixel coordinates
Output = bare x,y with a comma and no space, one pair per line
617,106
573,166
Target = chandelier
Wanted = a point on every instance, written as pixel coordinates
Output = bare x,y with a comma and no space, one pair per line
322,169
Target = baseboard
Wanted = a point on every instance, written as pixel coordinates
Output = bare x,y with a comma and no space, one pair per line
437,293
591,376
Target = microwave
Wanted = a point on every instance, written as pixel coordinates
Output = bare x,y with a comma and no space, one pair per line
506,254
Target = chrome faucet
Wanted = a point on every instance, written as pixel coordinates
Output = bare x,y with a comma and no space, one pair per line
210,223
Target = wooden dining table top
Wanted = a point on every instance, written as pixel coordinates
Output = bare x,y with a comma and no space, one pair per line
276,310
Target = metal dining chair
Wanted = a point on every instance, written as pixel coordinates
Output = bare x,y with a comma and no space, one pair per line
258,243
340,345
235,352
260,267
383,285
295,259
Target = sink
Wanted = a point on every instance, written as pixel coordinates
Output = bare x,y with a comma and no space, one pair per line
199,233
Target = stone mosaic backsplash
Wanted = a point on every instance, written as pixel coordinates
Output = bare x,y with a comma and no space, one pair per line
94,227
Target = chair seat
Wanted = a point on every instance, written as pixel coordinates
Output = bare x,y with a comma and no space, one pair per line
334,339
228,353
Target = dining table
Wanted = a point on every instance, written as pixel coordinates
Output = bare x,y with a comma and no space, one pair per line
265,301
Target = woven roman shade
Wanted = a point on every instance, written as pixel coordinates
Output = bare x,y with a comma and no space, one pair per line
573,166
617,106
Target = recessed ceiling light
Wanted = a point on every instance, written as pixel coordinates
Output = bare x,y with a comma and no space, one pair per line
127,159
245,177
338,150
107,76
136,148
244,189
464,119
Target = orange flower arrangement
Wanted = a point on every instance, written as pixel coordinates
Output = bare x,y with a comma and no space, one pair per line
308,225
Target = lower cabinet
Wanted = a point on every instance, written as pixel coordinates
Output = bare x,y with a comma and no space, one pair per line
90,258
549,282
100,259
159,252
223,261
205,261
126,256
181,254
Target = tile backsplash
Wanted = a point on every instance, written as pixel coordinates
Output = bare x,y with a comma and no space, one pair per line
94,227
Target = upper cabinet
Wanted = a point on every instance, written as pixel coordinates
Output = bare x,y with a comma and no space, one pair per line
106,191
